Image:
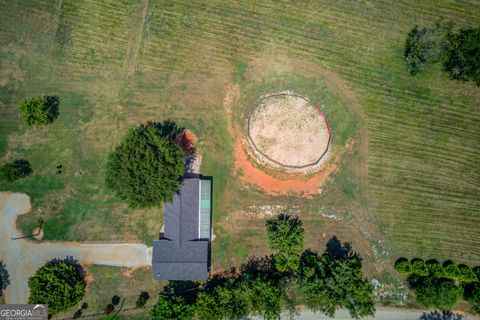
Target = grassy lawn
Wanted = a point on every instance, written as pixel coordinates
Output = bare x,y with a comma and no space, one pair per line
409,186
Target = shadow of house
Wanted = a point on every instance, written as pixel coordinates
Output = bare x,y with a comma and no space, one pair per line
183,250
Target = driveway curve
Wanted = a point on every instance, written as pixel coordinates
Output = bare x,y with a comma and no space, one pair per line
23,257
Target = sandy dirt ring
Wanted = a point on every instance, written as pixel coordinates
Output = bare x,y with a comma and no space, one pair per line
287,132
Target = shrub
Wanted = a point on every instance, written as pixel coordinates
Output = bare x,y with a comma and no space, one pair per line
146,168
39,111
16,169
466,274
403,266
419,267
463,55
142,299
451,270
60,284
472,295
444,315
435,269
418,49
442,294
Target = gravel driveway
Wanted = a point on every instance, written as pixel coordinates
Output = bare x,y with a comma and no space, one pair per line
23,257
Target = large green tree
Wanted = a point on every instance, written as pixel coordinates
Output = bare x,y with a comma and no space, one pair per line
59,284
463,55
172,307
39,111
146,168
328,283
16,169
285,237
439,293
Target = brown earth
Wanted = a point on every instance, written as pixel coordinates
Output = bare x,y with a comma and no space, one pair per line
305,186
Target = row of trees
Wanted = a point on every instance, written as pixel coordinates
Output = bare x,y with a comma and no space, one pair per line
435,269
439,285
458,51
269,285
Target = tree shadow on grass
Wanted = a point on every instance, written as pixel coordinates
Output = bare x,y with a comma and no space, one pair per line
341,251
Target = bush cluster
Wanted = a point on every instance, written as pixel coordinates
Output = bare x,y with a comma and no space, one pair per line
16,169
439,285
458,51
434,269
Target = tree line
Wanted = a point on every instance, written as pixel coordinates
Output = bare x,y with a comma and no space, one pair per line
441,285
277,283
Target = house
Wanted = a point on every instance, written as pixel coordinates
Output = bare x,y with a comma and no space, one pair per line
183,250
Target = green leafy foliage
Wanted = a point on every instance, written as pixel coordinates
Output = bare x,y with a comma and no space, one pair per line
146,168
16,169
435,269
419,267
472,295
60,284
442,294
466,274
40,111
266,296
328,283
173,307
224,301
403,266
463,55
285,237
418,49
451,270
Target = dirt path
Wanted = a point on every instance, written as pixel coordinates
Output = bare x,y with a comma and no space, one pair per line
23,257
133,47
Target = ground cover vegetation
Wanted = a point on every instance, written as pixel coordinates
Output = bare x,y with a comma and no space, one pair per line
60,284
146,168
441,286
266,287
458,51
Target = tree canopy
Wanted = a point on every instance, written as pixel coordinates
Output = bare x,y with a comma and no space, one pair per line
439,293
60,284
329,283
16,169
418,49
285,237
40,111
146,168
463,55
172,307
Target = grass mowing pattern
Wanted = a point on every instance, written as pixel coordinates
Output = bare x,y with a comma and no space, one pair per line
423,163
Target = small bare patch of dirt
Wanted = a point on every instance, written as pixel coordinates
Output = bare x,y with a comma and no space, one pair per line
129,272
306,186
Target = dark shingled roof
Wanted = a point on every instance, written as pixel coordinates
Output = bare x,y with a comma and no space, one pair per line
180,254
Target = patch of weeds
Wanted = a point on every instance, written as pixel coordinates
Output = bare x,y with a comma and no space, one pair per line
239,71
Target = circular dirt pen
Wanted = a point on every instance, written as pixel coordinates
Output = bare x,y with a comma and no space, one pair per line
288,132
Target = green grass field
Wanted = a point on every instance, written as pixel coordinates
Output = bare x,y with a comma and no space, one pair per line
415,185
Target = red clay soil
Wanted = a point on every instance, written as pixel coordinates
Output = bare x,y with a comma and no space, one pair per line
289,184
187,140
